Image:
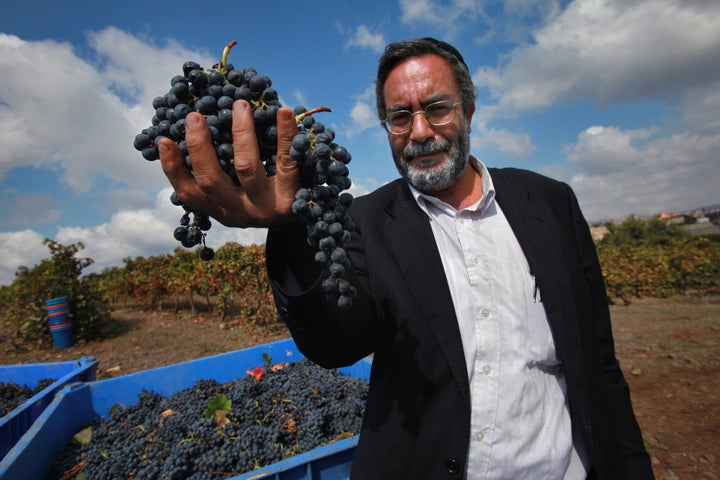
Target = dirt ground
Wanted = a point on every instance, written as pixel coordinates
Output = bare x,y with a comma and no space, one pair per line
669,350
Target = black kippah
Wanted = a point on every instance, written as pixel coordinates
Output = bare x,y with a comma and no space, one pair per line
446,47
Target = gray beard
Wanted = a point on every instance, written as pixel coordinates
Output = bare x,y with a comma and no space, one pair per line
442,177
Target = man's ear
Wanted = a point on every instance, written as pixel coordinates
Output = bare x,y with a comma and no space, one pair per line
469,116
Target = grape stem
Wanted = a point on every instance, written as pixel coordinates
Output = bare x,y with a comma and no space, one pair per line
226,52
299,117
223,70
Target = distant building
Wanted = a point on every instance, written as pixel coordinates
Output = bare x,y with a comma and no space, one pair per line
598,233
672,218
702,228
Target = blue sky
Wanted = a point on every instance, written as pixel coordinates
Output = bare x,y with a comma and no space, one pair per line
619,99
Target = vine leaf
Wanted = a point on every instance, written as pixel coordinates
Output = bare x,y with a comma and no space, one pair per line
83,437
219,406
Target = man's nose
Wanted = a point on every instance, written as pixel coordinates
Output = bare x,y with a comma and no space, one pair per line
421,128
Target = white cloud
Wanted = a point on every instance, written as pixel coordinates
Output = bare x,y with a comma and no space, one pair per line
607,150
148,231
529,8
441,15
57,114
640,172
511,144
506,20
23,248
78,116
363,114
616,52
418,10
610,51
364,38
701,107
129,233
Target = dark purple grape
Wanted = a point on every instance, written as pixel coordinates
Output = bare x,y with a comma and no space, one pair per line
207,254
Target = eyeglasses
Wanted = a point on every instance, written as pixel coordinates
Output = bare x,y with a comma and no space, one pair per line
437,114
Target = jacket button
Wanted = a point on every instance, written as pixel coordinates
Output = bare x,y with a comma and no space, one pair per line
453,466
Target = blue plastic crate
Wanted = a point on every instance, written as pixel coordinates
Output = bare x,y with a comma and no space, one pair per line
76,405
14,425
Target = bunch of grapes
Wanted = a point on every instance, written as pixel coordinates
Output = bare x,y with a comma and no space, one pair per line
323,205
13,395
321,201
287,412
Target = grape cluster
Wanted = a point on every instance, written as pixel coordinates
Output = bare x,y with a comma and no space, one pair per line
13,395
212,94
287,412
321,202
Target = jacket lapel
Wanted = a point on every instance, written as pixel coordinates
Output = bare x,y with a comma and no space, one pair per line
527,223
535,231
409,236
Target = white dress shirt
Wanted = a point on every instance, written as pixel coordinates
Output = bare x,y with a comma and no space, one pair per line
520,423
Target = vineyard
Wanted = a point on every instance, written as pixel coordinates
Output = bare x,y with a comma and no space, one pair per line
640,259
234,284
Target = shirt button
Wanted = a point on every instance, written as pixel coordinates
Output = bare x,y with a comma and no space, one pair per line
487,369
479,436
452,466
475,260
485,312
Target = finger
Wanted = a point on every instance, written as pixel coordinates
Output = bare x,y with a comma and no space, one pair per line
287,128
173,164
204,162
182,181
248,165
175,169
217,188
287,179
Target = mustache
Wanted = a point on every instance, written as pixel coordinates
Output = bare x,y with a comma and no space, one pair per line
431,146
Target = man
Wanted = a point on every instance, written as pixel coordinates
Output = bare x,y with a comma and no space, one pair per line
479,293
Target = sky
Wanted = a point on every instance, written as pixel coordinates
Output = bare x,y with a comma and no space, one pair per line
618,98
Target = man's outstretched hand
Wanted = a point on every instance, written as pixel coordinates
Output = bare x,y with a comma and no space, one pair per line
259,200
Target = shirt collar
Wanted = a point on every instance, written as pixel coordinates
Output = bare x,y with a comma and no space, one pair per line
480,206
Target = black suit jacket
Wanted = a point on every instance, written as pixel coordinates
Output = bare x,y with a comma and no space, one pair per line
417,419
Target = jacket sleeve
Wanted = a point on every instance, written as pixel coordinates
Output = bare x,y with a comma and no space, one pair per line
327,335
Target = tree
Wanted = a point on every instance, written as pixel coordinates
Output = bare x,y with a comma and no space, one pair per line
635,231
59,276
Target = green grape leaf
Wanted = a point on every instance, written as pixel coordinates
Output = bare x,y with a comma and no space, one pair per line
267,358
219,403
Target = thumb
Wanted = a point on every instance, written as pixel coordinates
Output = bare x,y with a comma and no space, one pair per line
287,176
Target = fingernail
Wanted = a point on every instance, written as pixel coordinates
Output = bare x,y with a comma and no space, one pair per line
285,114
192,121
163,149
239,107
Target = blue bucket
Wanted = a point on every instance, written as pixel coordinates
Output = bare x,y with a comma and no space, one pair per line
59,321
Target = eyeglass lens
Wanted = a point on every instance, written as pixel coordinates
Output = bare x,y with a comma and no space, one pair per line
437,114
